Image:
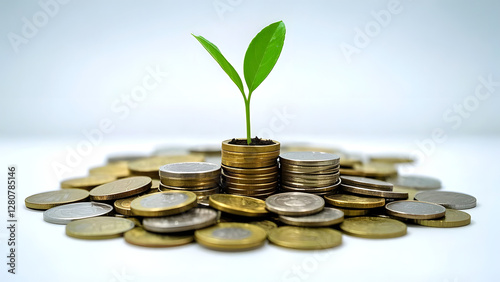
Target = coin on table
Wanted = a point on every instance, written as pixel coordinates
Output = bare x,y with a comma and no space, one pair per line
373,227
47,200
295,203
367,183
195,218
353,201
231,236
238,205
451,200
102,227
452,218
87,182
122,206
140,237
305,238
374,192
66,213
418,182
415,210
163,203
309,158
326,217
265,224
118,170
353,212
121,188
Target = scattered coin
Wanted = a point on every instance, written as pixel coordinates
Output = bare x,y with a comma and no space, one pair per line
230,236
326,217
265,224
192,219
373,227
238,205
163,203
353,201
47,200
353,212
415,210
451,200
374,192
102,227
140,237
295,203
87,182
64,214
122,206
121,188
367,183
303,238
416,182
452,218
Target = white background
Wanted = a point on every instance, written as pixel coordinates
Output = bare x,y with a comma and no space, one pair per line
394,95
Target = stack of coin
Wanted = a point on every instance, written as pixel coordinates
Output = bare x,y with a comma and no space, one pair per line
311,172
362,186
250,170
201,178
149,166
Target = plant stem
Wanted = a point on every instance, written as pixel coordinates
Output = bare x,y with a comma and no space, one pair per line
247,112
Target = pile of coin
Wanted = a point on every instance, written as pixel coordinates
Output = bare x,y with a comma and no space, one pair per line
201,178
311,172
250,170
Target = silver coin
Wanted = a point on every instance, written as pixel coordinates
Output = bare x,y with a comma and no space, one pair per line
190,169
66,213
163,200
309,158
295,203
451,200
415,210
326,217
416,182
195,218
367,183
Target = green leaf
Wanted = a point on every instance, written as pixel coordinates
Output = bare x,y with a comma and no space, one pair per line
263,53
224,64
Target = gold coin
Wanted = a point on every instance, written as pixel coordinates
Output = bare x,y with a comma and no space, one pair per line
304,238
118,170
136,221
249,180
452,218
87,182
352,172
411,192
250,164
250,148
231,236
373,227
121,188
163,203
47,200
353,201
374,192
392,159
250,155
150,166
239,205
122,206
228,170
377,169
352,212
265,224
101,227
140,237
249,193
261,186
155,184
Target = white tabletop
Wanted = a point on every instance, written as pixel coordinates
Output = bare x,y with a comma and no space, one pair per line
467,253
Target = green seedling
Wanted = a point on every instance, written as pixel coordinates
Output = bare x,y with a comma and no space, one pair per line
260,58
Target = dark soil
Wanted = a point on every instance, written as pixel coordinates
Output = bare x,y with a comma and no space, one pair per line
255,141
